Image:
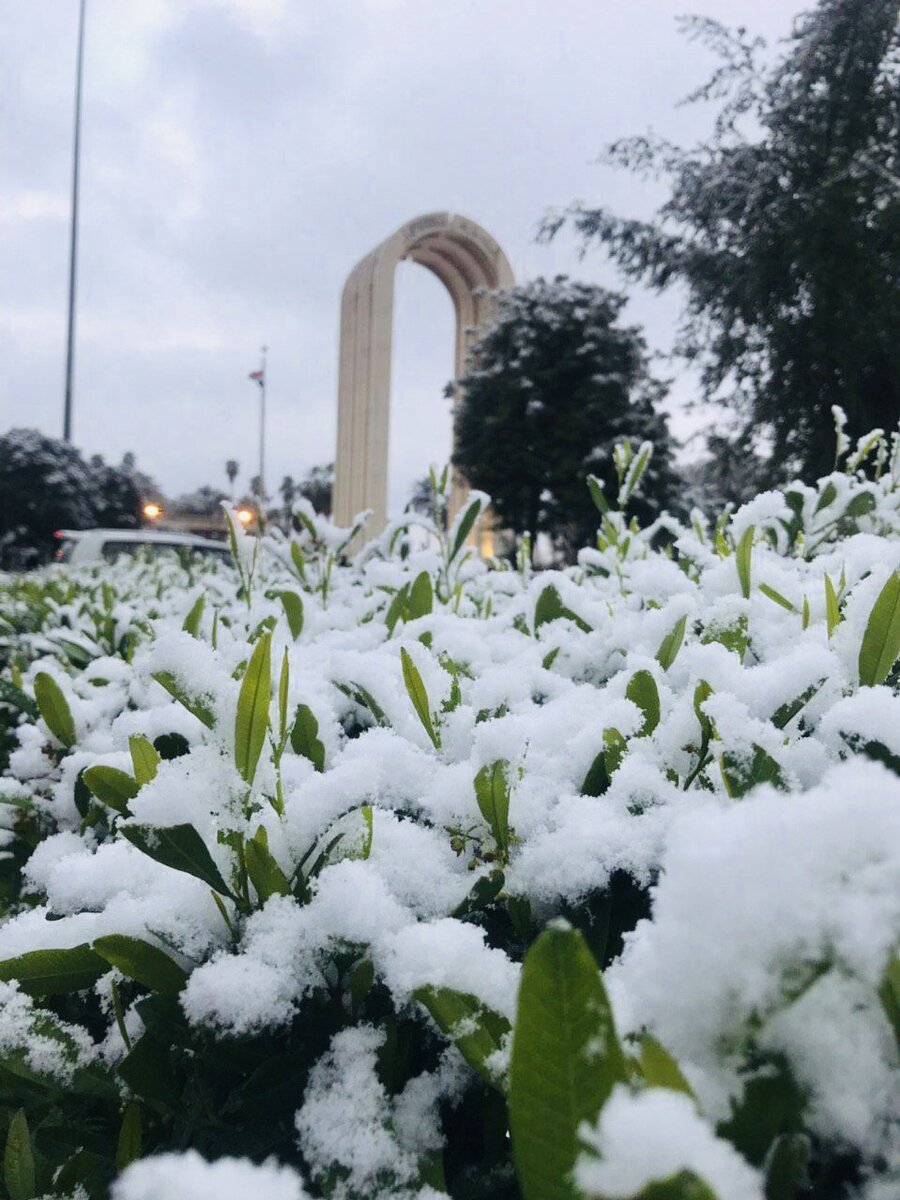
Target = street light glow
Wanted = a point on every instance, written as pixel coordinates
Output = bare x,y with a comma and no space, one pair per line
244,515
152,511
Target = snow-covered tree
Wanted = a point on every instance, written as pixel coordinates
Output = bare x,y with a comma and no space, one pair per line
785,228
317,486
206,501
45,485
553,383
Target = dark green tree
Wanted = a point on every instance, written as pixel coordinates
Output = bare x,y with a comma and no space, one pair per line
46,485
206,501
553,383
785,229
116,498
317,486
732,471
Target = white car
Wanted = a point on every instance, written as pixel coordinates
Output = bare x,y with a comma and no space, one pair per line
79,546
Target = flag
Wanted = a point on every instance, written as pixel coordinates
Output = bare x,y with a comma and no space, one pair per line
257,376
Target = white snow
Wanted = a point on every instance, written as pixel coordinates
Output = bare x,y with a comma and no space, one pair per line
649,1137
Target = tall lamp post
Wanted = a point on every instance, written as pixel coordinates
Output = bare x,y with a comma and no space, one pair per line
260,378
73,236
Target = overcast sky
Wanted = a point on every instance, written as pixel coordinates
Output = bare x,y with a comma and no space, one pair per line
240,156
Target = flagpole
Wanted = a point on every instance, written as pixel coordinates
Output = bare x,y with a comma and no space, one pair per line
73,236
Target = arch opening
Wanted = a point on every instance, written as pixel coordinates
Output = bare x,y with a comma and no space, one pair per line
421,417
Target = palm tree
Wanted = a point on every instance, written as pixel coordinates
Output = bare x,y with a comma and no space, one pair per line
231,470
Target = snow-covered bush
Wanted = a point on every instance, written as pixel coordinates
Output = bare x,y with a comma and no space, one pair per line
416,875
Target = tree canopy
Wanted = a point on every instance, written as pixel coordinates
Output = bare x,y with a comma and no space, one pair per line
785,228
551,385
45,484
317,486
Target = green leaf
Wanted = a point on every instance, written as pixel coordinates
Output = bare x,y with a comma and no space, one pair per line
78,655
476,1030
453,701
786,1165
889,995
252,717
484,891
364,699
180,847
733,637
879,752
828,496
643,692
787,711
266,625
832,608
195,616
55,972
597,780
81,1168
362,979
660,1069
147,1071
14,696
549,607
284,679
566,1059
743,558
702,693
777,597
421,597
111,787
128,1148
397,607
881,640
265,874
305,737
369,819
18,1160
82,794
199,708
860,505
54,708
418,695
142,961
292,603
595,487
464,528
671,644
144,758
772,1104
492,795
615,747
298,560
741,773
686,1185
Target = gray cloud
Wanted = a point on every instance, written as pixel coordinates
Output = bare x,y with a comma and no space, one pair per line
241,155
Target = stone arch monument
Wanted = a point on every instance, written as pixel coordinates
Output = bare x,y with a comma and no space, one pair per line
467,261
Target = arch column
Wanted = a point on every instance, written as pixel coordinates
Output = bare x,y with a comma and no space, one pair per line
468,262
